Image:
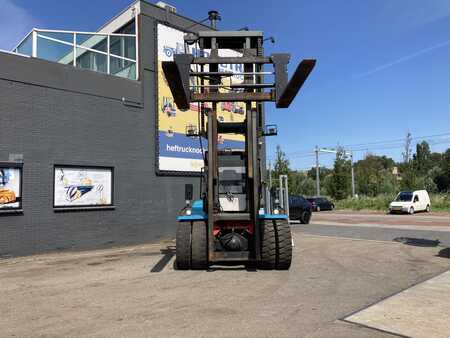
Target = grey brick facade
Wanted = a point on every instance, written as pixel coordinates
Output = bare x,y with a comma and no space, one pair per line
55,114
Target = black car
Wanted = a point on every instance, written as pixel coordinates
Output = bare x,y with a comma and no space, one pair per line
299,209
320,203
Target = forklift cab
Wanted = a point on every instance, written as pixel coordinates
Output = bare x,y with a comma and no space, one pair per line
232,181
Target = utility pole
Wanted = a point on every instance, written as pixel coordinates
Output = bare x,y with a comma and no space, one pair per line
317,172
353,175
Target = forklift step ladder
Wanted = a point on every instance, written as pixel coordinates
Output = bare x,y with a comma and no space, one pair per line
231,222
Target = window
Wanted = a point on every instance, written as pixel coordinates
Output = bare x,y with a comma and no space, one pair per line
232,174
404,196
129,28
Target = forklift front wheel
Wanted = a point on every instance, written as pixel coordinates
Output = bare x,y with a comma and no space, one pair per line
183,246
199,257
284,245
268,245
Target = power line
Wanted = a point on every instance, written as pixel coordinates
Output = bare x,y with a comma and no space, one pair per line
380,145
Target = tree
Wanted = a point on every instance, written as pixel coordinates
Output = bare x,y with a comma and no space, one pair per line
409,177
322,173
407,153
339,186
422,158
281,166
407,168
442,178
301,184
375,175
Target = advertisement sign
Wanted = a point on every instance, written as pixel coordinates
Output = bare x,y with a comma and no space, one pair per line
82,186
177,152
10,187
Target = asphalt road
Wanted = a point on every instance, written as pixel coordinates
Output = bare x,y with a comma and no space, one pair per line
374,233
422,229
337,271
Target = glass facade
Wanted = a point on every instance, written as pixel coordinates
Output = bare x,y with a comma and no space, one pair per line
113,54
26,46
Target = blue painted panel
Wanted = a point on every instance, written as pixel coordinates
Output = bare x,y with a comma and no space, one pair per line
191,218
272,216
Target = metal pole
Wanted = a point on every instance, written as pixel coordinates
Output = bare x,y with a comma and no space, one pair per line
284,193
317,172
34,49
353,175
270,174
74,49
286,196
281,194
269,194
108,51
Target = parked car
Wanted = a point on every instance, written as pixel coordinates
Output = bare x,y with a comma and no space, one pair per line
320,203
299,209
410,202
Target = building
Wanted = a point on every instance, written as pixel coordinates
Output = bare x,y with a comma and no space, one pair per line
92,149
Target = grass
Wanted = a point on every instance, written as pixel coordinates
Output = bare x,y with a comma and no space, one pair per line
439,202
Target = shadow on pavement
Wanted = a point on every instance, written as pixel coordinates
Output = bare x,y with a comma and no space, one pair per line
168,253
417,241
444,253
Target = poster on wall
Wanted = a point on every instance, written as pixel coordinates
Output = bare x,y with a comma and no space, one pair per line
177,152
82,186
10,187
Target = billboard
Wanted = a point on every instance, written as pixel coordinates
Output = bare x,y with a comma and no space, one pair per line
178,153
10,187
82,186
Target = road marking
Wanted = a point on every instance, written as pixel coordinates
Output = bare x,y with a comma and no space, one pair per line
420,311
387,226
398,216
349,238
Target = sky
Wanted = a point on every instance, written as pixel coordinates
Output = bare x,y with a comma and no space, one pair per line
383,66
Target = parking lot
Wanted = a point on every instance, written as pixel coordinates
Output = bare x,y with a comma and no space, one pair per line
344,282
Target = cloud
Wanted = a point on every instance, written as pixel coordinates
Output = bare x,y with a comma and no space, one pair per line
411,14
15,23
403,59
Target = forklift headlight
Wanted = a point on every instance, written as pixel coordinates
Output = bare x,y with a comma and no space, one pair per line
276,211
188,212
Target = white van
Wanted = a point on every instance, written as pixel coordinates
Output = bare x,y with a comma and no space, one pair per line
410,202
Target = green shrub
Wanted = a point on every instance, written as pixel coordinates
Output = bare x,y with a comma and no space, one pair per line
440,202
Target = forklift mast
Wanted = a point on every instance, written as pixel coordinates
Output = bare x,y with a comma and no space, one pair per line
234,196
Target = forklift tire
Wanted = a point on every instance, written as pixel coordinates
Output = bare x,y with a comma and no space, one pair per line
199,247
284,245
268,246
183,246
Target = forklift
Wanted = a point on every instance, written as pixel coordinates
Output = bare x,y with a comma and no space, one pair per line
230,223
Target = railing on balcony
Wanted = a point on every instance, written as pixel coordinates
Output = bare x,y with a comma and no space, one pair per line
113,54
